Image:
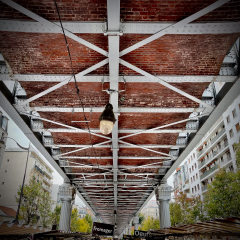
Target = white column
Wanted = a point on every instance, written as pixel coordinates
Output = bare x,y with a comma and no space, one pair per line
129,228
66,195
163,196
136,222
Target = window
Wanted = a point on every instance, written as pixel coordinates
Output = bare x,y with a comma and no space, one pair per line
198,186
192,167
193,178
190,170
8,160
2,183
234,113
189,160
194,155
5,171
196,176
237,127
195,188
195,165
192,190
231,133
228,119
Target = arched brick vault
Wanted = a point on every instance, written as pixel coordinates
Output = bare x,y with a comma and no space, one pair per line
171,54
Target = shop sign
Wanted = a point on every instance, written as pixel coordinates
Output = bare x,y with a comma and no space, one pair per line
102,229
143,234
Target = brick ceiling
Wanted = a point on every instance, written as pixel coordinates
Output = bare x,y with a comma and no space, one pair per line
153,105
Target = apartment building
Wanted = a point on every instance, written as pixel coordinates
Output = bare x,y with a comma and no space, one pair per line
12,172
151,210
3,135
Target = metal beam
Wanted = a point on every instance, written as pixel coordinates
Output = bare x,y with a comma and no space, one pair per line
63,125
177,25
120,146
84,72
113,23
215,115
120,110
13,114
47,24
97,78
126,27
120,157
67,130
209,108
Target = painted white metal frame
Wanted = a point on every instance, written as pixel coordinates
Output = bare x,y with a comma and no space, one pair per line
129,79
126,27
177,25
47,23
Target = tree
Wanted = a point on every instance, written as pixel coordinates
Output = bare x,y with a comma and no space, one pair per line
74,220
149,223
89,220
35,203
186,210
83,225
222,196
55,216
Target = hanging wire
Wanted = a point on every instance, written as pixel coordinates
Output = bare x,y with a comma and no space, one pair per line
75,81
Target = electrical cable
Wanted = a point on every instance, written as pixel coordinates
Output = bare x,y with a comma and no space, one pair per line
76,86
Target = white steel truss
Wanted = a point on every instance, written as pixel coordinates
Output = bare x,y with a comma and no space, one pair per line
126,27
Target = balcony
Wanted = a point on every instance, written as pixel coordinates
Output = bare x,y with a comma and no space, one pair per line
185,187
39,169
209,171
204,188
218,135
46,187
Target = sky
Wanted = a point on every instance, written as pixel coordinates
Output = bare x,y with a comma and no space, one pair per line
15,133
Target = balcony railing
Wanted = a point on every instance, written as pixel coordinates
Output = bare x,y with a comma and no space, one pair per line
209,171
218,135
204,188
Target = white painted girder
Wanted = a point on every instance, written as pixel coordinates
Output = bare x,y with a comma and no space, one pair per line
67,130
120,146
209,108
97,78
120,157
120,110
127,27
47,24
174,27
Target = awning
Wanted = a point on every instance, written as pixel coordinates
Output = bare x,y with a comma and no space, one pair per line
7,228
222,227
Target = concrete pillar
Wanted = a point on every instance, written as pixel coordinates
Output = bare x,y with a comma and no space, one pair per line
136,222
66,195
129,228
163,196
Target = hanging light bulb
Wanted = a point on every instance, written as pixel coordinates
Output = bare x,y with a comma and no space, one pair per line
107,119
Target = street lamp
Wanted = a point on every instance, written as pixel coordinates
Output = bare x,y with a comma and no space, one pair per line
24,176
107,119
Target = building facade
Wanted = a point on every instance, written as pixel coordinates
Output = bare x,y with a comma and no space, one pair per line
12,172
215,150
3,135
151,210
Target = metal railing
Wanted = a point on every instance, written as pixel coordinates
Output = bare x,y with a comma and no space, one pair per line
204,188
218,135
209,171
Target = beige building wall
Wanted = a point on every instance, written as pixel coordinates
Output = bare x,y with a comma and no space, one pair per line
12,172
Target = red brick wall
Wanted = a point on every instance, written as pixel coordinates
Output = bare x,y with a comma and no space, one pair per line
151,10
70,10
165,10
178,54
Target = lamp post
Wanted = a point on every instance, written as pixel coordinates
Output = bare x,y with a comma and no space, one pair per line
24,176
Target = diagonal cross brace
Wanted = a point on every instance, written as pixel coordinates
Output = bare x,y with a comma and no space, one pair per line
86,71
173,27
44,22
129,65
